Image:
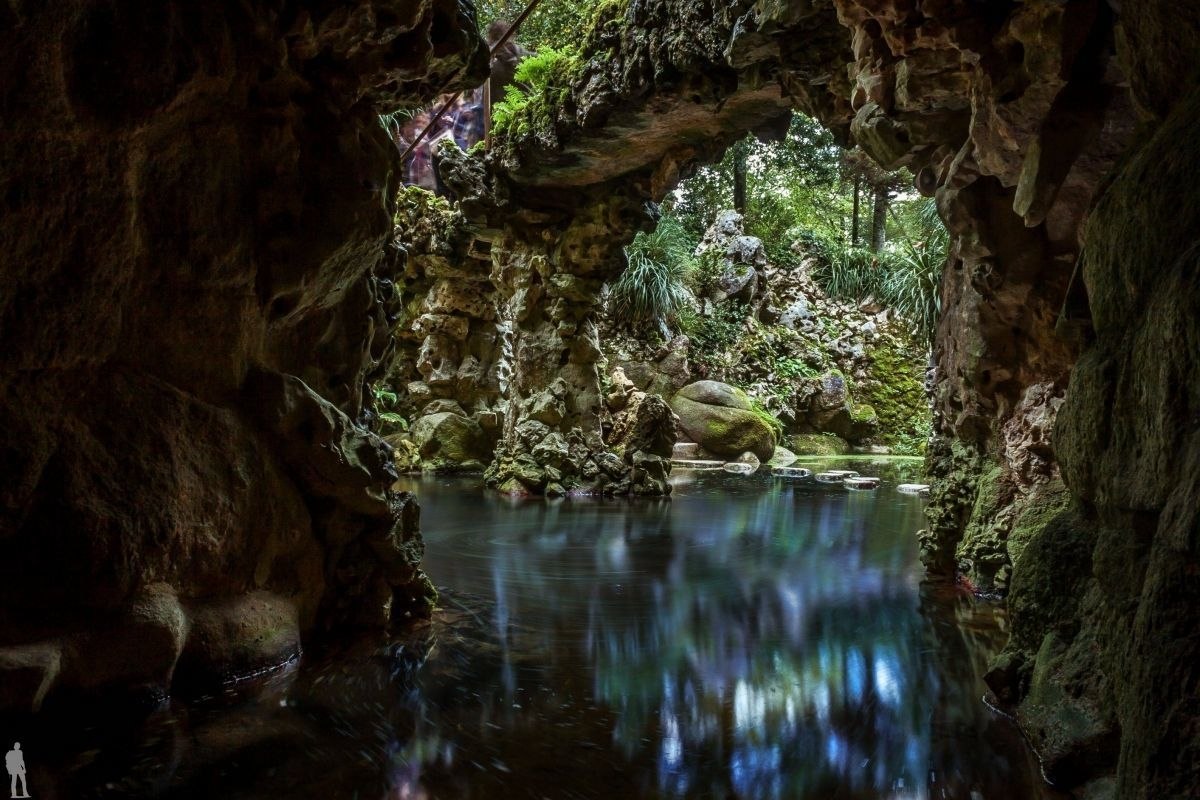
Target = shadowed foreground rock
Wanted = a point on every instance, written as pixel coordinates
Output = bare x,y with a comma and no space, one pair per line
195,211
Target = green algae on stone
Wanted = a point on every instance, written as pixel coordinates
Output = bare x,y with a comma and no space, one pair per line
818,444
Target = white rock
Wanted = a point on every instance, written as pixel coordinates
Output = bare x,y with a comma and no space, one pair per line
791,472
861,483
739,468
685,451
696,463
912,488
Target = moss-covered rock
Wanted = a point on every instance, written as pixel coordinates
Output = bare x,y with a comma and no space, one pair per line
895,391
721,418
818,444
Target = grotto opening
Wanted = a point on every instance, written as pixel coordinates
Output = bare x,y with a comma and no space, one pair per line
239,352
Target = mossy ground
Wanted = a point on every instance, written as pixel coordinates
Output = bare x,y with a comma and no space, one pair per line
817,444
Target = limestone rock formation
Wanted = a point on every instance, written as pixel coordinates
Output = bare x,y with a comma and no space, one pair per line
195,288
448,342
741,260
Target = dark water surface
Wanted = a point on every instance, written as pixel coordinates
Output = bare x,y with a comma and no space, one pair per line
751,637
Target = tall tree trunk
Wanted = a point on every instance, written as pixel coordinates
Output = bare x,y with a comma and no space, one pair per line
739,178
854,218
879,218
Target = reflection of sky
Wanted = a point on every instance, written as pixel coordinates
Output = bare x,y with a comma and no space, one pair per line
755,637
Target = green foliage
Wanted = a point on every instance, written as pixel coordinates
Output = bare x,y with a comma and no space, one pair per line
385,399
394,419
551,23
792,185
654,284
907,281
539,88
392,122
713,336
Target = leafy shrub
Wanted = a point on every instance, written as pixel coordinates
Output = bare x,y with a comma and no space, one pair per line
654,285
713,337
706,268
908,281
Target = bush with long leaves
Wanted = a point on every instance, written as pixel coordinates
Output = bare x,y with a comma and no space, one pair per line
653,286
906,280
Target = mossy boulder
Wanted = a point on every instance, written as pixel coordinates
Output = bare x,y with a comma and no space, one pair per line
722,419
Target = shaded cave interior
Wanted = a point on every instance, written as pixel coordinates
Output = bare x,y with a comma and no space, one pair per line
198,271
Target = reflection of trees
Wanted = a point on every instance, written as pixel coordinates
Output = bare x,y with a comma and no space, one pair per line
772,631
750,640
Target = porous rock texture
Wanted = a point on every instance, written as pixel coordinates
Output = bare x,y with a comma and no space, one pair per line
193,296
196,203
1012,115
853,371
448,343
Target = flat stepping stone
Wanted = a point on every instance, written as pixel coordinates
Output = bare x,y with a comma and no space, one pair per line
686,451
837,476
843,473
740,468
694,463
861,483
791,472
913,488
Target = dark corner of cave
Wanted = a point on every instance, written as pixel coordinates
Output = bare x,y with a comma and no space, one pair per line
600,399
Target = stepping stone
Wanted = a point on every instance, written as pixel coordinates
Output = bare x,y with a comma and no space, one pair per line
693,463
791,472
689,451
740,468
836,476
913,488
861,483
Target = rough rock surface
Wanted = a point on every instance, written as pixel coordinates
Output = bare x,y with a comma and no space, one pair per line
448,341
1011,115
180,413
195,213
798,352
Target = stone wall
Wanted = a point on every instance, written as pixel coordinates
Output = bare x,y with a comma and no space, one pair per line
196,203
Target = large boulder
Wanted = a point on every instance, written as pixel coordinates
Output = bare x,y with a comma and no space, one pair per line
646,425
447,440
722,420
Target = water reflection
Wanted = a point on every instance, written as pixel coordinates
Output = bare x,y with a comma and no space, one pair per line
751,637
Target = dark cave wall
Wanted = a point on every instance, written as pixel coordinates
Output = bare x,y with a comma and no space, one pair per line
1128,439
196,203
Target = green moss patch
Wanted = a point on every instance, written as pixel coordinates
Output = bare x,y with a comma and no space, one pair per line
818,444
